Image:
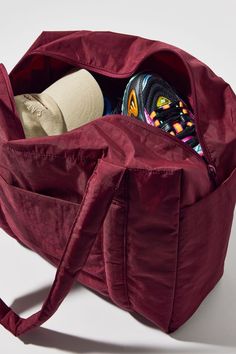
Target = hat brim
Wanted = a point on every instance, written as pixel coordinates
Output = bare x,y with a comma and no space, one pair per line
78,96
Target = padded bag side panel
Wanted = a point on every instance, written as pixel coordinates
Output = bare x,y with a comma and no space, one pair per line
205,228
152,238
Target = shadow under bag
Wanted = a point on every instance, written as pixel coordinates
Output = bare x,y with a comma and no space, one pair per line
120,206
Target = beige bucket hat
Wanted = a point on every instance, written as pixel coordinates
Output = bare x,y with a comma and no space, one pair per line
70,102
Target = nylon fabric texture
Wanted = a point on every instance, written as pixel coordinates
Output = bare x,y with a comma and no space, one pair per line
120,206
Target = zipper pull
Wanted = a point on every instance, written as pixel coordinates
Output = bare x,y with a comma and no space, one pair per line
212,174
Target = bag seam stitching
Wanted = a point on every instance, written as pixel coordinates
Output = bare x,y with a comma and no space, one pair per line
177,256
125,233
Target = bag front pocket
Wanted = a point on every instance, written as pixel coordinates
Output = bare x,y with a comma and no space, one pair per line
40,222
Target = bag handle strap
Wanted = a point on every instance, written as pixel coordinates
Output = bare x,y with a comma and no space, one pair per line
96,201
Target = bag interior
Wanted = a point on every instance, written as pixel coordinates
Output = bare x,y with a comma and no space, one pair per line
37,72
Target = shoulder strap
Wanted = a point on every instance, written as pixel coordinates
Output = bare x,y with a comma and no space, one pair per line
97,198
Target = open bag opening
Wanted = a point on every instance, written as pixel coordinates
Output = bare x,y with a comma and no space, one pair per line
44,70
41,71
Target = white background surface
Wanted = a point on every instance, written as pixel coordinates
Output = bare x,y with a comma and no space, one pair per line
84,322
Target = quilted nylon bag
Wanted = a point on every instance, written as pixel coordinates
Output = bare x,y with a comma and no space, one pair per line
120,206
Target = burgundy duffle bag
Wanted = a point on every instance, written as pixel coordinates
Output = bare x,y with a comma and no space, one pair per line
120,206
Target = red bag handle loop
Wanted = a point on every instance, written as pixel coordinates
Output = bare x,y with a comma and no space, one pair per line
97,198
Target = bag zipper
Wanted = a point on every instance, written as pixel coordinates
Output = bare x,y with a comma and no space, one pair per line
206,159
210,167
